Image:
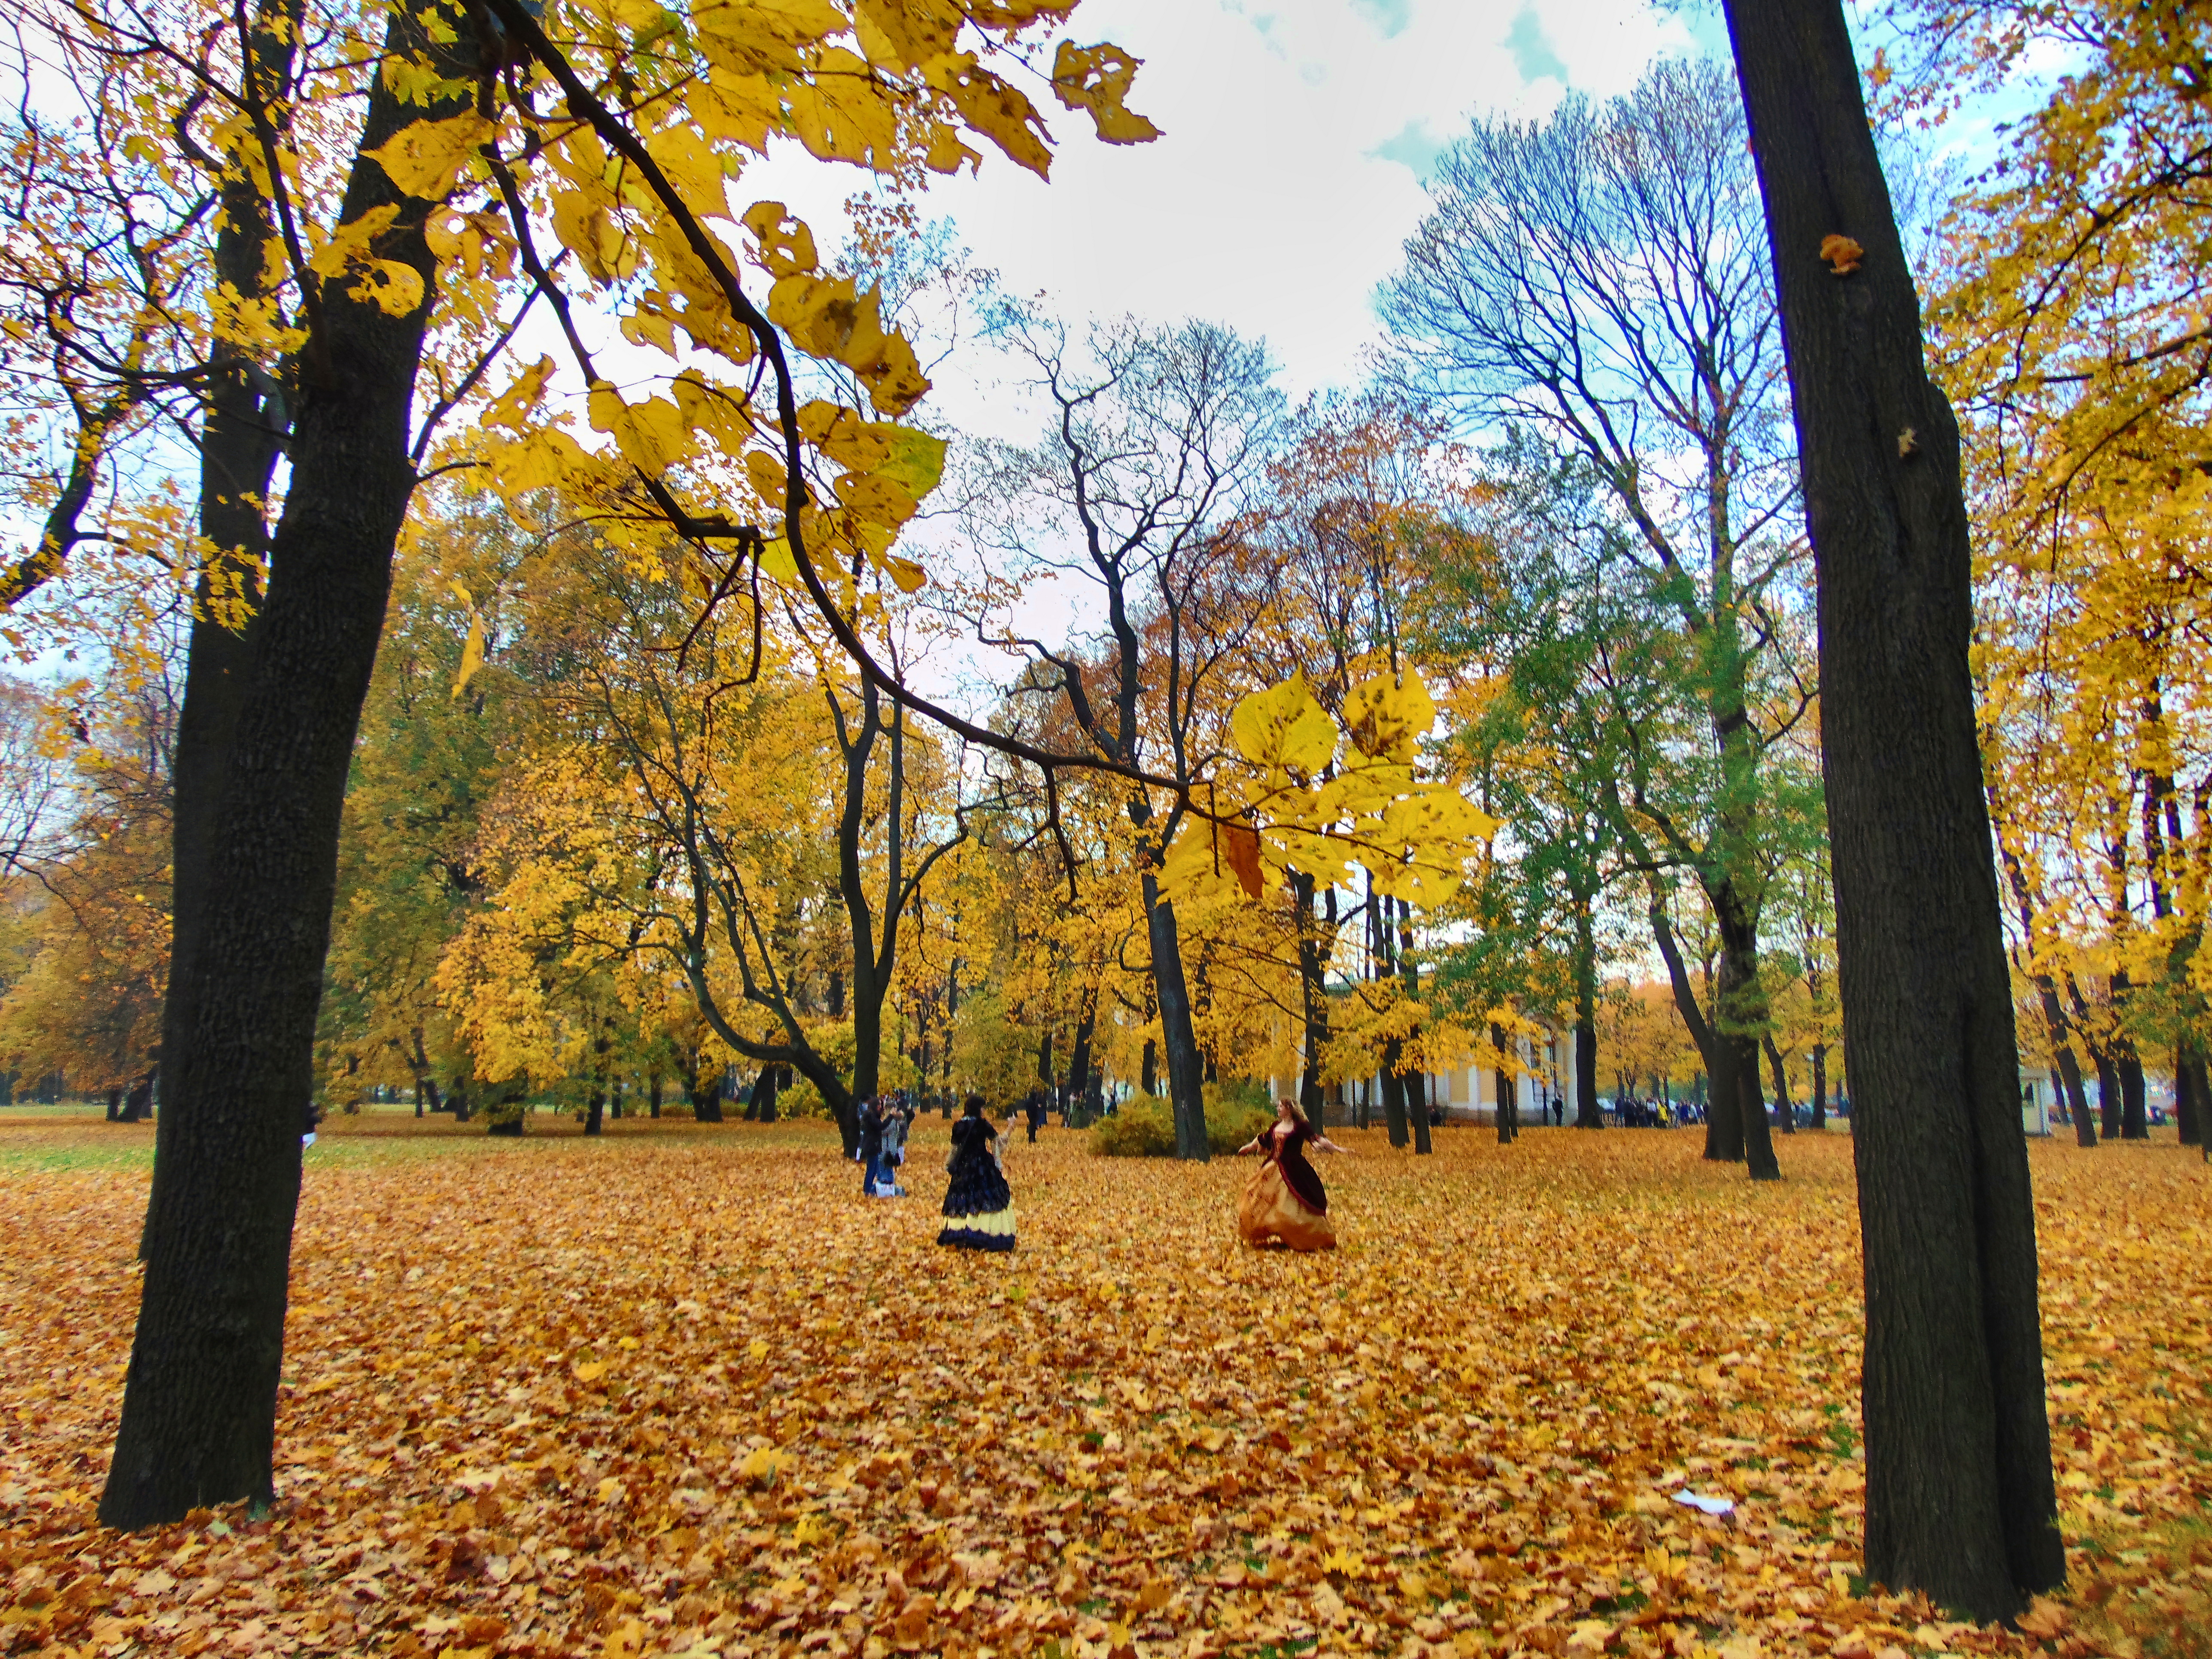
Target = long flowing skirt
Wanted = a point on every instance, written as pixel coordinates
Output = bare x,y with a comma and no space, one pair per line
979,1208
1270,1212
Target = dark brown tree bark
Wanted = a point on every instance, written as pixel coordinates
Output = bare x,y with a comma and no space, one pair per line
1960,1502
1820,1064
199,1423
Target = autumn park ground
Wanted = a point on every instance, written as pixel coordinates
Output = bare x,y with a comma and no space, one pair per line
682,1390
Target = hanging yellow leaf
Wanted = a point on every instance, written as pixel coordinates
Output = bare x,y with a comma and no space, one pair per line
427,159
1097,79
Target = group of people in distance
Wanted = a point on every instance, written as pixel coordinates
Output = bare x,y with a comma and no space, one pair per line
1284,1205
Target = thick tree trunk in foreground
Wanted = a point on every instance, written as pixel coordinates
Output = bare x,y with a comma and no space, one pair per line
1960,1497
199,1407
2135,1094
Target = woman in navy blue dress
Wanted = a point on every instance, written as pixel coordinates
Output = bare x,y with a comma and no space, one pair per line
979,1208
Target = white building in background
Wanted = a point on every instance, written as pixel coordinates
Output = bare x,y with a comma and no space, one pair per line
1543,1071
2039,1099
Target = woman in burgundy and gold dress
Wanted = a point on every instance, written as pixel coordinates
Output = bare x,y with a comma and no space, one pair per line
1285,1202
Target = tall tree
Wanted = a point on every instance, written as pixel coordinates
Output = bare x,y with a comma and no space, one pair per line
1960,1501
1595,277
1159,441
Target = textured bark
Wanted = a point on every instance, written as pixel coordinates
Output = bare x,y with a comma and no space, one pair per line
1960,1502
198,1421
238,446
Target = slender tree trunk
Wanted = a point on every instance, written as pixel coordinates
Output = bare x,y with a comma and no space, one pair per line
1313,961
115,1105
2184,1099
1079,1059
1783,1110
1960,1501
198,1422
1819,1063
653,1094
1589,1115
1184,1086
1724,1102
1417,1082
1509,1112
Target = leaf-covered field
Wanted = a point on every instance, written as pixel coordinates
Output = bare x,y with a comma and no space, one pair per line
682,1389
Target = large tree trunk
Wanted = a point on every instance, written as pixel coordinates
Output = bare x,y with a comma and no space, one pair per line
1185,1090
1960,1502
199,1423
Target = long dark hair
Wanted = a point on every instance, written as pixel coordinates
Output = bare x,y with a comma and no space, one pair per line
972,1107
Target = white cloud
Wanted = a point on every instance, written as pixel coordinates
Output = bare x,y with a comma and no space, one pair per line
1286,180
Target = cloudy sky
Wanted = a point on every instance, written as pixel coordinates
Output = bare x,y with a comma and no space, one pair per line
1296,136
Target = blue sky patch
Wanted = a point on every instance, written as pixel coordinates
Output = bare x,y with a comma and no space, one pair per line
1533,55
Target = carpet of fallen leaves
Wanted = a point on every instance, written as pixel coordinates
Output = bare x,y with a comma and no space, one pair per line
682,1389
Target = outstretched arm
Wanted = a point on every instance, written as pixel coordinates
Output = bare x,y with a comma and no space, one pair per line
1251,1145
1323,1144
